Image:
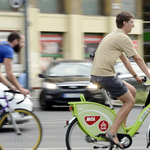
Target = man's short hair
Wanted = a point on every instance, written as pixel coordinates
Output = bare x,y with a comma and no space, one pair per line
13,36
123,16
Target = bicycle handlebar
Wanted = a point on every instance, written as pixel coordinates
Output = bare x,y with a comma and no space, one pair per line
144,80
14,92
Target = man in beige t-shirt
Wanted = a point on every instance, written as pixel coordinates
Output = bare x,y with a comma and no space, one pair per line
117,45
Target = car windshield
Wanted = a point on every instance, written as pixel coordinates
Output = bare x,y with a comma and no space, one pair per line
69,69
121,69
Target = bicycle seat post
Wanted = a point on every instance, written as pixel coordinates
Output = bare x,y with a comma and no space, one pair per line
109,99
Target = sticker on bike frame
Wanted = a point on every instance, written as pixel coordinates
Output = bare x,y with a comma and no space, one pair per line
144,114
90,120
103,125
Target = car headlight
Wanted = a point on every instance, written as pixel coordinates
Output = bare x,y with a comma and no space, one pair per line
49,85
92,86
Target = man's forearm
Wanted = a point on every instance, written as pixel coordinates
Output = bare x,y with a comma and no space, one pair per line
129,67
4,80
143,67
14,81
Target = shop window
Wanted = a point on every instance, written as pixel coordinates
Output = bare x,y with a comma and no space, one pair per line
51,48
91,42
51,6
93,7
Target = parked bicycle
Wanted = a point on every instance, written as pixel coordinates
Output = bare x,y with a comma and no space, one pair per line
20,129
91,121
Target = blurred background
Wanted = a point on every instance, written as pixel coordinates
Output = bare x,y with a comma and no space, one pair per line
68,29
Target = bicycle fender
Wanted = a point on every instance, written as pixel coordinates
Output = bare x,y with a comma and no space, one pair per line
68,122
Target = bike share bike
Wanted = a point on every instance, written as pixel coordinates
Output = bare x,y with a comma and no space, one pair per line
92,120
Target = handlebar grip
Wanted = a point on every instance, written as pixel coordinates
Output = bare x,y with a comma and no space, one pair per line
12,91
145,79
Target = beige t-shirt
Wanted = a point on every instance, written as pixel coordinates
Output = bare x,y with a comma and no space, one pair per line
109,50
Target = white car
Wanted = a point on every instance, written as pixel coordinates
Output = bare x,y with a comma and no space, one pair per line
26,104
124,74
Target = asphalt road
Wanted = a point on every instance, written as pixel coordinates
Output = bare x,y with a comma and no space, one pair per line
53,122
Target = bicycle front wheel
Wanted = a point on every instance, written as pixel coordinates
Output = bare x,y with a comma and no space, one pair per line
30,131
78,140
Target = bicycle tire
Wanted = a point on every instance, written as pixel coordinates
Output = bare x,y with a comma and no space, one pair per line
30,127
77,140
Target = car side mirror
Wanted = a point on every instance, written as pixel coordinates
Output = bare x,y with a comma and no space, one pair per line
41,75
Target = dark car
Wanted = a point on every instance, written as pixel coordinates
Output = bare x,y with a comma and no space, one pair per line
65,81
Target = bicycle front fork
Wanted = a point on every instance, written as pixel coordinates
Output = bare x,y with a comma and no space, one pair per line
13,121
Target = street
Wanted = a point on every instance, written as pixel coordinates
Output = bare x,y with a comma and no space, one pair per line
53,122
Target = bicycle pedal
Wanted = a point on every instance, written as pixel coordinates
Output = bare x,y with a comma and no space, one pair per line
90,139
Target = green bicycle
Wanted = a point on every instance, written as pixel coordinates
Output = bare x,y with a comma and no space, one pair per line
91,121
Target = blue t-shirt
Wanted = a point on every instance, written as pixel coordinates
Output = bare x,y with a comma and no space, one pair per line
6,51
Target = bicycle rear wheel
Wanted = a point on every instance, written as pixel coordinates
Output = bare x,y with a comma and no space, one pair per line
30,127
78,140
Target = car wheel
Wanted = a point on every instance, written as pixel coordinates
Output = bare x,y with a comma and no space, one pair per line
43,104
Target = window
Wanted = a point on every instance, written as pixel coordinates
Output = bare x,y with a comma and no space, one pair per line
51,48
5,6
51,6
91,42
69,69
93,7
128,5
146,15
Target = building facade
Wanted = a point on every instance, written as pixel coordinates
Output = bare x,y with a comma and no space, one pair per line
66,29
146,30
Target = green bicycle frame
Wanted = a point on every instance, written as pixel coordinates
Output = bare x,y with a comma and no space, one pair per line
94,119
134,128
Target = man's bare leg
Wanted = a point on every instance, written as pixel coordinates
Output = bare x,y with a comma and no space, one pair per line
133,92
128,103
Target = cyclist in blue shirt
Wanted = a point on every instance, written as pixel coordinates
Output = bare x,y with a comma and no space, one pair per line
14,43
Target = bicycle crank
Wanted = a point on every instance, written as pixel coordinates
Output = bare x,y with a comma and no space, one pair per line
125,140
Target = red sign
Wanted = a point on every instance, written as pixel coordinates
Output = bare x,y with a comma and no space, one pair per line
103,125
90,120
92,38
135,43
